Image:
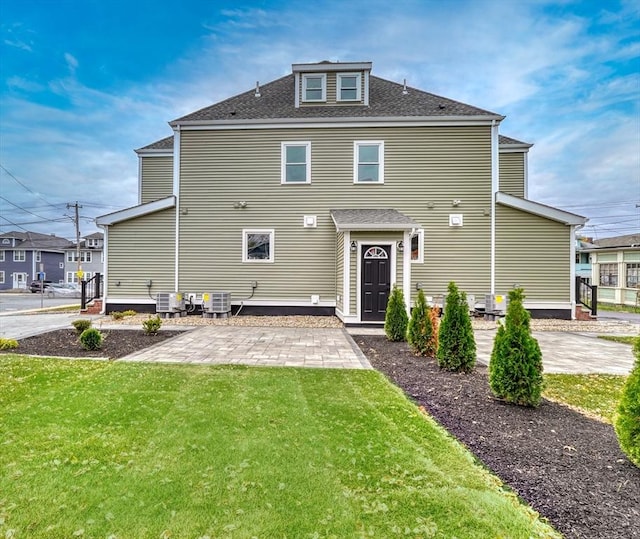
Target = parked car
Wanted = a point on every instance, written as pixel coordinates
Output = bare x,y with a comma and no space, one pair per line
63,291
38,286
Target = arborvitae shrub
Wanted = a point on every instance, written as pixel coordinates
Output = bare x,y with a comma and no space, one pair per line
628,421
457,345
515,369
81,324
420,333
152,325
91,339
396,318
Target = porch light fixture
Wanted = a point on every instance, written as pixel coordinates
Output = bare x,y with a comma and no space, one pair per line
354,247
400,246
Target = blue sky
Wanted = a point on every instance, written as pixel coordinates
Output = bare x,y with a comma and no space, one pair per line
83,83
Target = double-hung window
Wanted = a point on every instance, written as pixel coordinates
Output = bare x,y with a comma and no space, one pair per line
257,245
609,274
368,162
633,275
19,255
349,87
314,87
296,162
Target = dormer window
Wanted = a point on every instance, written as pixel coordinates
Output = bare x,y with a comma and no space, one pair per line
314,87
349,87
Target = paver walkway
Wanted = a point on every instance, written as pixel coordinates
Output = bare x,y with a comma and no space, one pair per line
268,346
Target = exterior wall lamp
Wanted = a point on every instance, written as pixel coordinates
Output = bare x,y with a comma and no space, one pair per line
400,246
354,247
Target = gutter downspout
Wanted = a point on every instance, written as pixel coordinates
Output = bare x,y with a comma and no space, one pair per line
572,271
495,185
176,193
105,268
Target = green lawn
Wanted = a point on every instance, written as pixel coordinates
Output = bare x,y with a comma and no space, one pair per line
119,450
618,338
595,394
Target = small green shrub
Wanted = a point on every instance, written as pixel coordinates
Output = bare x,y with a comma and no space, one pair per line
152,325
117,315
421,335
129,312
81,324
628,421
91,339
515,368
457,345
8,344
396,318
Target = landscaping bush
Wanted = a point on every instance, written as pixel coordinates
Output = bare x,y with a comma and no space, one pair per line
129,312
81,324
396,318
91,339
152,325
8,344
457,345
628,422
515,369
117,315
421,334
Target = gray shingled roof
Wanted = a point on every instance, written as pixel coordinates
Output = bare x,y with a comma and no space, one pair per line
375,219
386,100
508,141
627,240
35,240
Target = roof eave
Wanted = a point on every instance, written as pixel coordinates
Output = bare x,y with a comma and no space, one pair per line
136,211
319,120
542,210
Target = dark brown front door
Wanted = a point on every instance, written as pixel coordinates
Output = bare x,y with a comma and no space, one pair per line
375,281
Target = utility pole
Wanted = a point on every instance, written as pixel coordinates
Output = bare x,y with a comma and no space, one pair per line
76,220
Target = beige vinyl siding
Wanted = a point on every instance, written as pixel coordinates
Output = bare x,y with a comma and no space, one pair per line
157,178
512,173
534,253
142,249
422,165
340,271
332,92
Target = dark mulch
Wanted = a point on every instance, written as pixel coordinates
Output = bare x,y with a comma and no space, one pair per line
64,342
565,465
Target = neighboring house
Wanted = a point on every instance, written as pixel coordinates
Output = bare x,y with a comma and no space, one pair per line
316,192
583,258
616,269
23,255
91,258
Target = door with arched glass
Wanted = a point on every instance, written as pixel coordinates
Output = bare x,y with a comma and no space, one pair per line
375,282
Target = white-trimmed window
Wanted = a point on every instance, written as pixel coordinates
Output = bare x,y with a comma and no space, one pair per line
417,247
349,87
1,277
608,274
296,162
1,256
368,161
38,256
314,87
258,244
19,255
85,256
633,275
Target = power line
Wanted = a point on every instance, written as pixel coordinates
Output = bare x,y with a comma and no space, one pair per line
23,185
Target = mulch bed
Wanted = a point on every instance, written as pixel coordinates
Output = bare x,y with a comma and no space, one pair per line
565,465
64,342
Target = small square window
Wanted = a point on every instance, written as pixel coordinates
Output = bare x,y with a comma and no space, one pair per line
257,245
314,87
296,162
348,86
368,162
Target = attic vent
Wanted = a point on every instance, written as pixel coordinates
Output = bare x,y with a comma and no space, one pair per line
257,94
404,88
